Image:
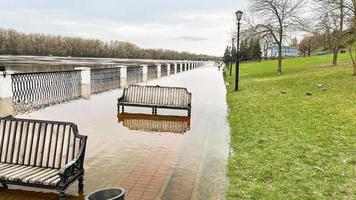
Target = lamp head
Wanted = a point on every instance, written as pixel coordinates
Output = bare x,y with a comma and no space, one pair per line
239,15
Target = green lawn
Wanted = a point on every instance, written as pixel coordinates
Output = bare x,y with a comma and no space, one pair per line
293,146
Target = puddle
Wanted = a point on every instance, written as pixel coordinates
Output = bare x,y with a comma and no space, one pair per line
168,156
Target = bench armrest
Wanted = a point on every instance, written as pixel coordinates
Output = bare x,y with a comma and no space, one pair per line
122,97
74,167
190,99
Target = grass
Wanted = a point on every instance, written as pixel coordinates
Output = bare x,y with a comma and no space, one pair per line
288,145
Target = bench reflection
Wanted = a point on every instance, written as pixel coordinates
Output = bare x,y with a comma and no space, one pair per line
155,123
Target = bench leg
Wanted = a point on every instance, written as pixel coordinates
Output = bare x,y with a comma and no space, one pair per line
153,111
189,113
81,183
62,195
4,185
123,109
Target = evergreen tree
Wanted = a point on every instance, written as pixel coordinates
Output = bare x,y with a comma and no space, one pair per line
257,53
233,54
227,56
243,50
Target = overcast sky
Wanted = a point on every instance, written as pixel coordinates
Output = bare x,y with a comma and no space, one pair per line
199,26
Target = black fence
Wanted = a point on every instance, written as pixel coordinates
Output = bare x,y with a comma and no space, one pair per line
104,79
32,91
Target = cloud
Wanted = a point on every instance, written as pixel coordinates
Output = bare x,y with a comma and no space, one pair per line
190,38
180,30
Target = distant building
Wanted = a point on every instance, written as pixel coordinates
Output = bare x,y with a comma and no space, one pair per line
272,52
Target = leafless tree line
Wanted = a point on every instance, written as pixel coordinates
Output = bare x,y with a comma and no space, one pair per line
337,23
274,20
13,42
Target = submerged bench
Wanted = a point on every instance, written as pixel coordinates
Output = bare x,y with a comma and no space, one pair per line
41,154
156,97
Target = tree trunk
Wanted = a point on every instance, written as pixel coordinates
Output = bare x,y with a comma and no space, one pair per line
280,59
335,52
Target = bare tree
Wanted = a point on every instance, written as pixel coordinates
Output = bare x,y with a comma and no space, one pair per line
339,20
332,17
277,18
350,7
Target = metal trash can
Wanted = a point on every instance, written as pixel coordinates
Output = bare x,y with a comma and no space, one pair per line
107,194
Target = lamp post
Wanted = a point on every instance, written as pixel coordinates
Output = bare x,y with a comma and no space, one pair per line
232,59
237,72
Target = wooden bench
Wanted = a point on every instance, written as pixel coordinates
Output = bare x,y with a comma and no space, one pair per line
156,97
41,154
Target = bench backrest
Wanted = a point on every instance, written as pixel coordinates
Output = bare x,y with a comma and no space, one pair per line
157,95
38,143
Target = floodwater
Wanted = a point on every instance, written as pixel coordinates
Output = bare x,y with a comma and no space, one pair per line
141,153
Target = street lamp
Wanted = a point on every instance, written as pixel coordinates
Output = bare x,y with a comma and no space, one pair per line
237,73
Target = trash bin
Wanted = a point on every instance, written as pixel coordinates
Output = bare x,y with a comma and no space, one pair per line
107,194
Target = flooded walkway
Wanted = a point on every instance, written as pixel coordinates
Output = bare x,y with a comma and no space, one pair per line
186,163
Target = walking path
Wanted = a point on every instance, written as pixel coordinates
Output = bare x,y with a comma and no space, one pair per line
149,165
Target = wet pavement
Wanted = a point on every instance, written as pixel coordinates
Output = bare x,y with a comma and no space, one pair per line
149,162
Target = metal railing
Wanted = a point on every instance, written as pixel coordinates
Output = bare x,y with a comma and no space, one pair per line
164,70
134,74
152,72
172,69
103,80
33,91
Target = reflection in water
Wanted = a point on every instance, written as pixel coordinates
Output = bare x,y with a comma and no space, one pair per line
155,123
104,79
32,91
35,195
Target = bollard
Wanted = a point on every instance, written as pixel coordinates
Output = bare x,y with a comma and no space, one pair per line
6,84
123,76
175,68
144,73
6,104
159,68
86,81
168,69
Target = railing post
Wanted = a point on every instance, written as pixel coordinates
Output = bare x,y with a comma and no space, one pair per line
175,68
86,81
6,93
123,76
144,73
159,68
6,84
168,69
